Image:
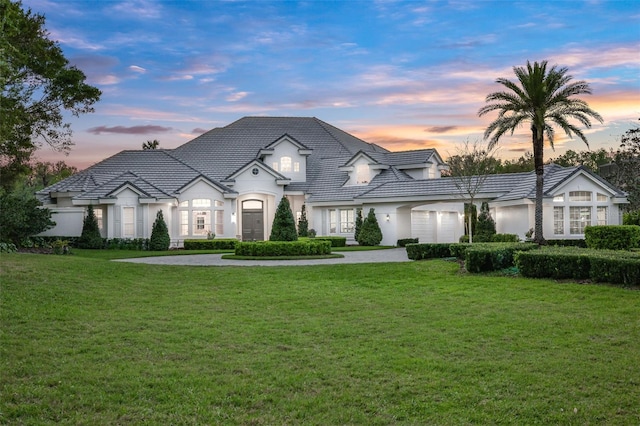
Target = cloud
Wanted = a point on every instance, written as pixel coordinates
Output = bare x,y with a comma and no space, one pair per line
133,130
137,69
140,9
236,96
198,131
440,129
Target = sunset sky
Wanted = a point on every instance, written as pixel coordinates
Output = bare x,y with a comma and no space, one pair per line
403,74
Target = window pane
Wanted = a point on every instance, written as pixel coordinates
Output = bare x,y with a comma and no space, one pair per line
219,222
218,203
285,164
346,221
558,220
559,198
296,166
602,216
128,226
332,221
362,173
98,214
580,196
579,218
602,197
184,204
202,202
201,222
184,222
275,166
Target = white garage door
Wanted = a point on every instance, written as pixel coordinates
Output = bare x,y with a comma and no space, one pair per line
447,227
423,225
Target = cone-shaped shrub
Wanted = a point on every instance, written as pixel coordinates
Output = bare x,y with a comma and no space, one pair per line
160,239
284,225
358,224
370,234
303,223
485,227
90,237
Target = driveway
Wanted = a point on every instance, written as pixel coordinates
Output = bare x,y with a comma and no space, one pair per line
371,256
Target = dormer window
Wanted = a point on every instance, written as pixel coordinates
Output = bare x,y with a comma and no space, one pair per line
362,173
285,164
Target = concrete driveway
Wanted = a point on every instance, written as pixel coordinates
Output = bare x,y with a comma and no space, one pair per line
372,256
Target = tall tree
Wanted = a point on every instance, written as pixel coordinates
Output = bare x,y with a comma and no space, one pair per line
38,86
303,223
541,97
624,170
469,169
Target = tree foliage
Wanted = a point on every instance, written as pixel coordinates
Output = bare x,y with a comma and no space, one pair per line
154,144
469,170
284,225
22,217
303,223
370,234
358,224
542,98
90,237
485,226
160,239
591,160
38,86
625,172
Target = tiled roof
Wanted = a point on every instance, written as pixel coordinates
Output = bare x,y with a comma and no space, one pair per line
221,152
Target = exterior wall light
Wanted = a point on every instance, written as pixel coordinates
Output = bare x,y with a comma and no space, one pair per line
388,218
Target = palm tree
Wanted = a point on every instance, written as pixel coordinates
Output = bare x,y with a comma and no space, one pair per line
543,98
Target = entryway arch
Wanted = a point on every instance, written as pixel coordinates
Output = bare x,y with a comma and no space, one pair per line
252,220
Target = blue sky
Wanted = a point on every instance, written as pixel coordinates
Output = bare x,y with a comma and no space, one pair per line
403,74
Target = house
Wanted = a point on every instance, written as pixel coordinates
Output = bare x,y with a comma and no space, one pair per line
230,180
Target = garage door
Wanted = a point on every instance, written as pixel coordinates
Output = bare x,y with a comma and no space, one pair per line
447,228
423,225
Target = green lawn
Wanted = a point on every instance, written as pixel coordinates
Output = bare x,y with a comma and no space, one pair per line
88,341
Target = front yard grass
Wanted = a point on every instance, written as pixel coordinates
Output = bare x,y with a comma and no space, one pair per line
88,341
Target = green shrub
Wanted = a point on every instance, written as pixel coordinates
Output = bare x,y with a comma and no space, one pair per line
485,227
615,269
335,241
404,241
568,243
631,218
552,262
283,248
612,237
61,247
505,238
160,239
370,233
358,224
139,244
492,256
303,223
428,251
8,248
458,249
284,225
217,244
90,237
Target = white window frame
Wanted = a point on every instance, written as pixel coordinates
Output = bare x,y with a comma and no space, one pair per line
285,164
602,215
558,220
579,218
128,225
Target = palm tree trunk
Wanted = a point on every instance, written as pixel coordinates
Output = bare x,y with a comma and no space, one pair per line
538,161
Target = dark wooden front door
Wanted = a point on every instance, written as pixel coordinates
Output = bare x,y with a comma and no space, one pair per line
252,225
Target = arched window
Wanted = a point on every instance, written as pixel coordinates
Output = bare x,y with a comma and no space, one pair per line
285,164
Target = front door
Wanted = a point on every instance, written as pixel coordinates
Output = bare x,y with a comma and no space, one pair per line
252,223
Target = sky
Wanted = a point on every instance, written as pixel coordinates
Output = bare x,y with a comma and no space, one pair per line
402,74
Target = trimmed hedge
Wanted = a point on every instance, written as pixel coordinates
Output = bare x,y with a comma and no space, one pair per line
505,238
493,256
428,251
335,241
568,243
404,241
557,263
283,248
616,267
612,237
215,244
